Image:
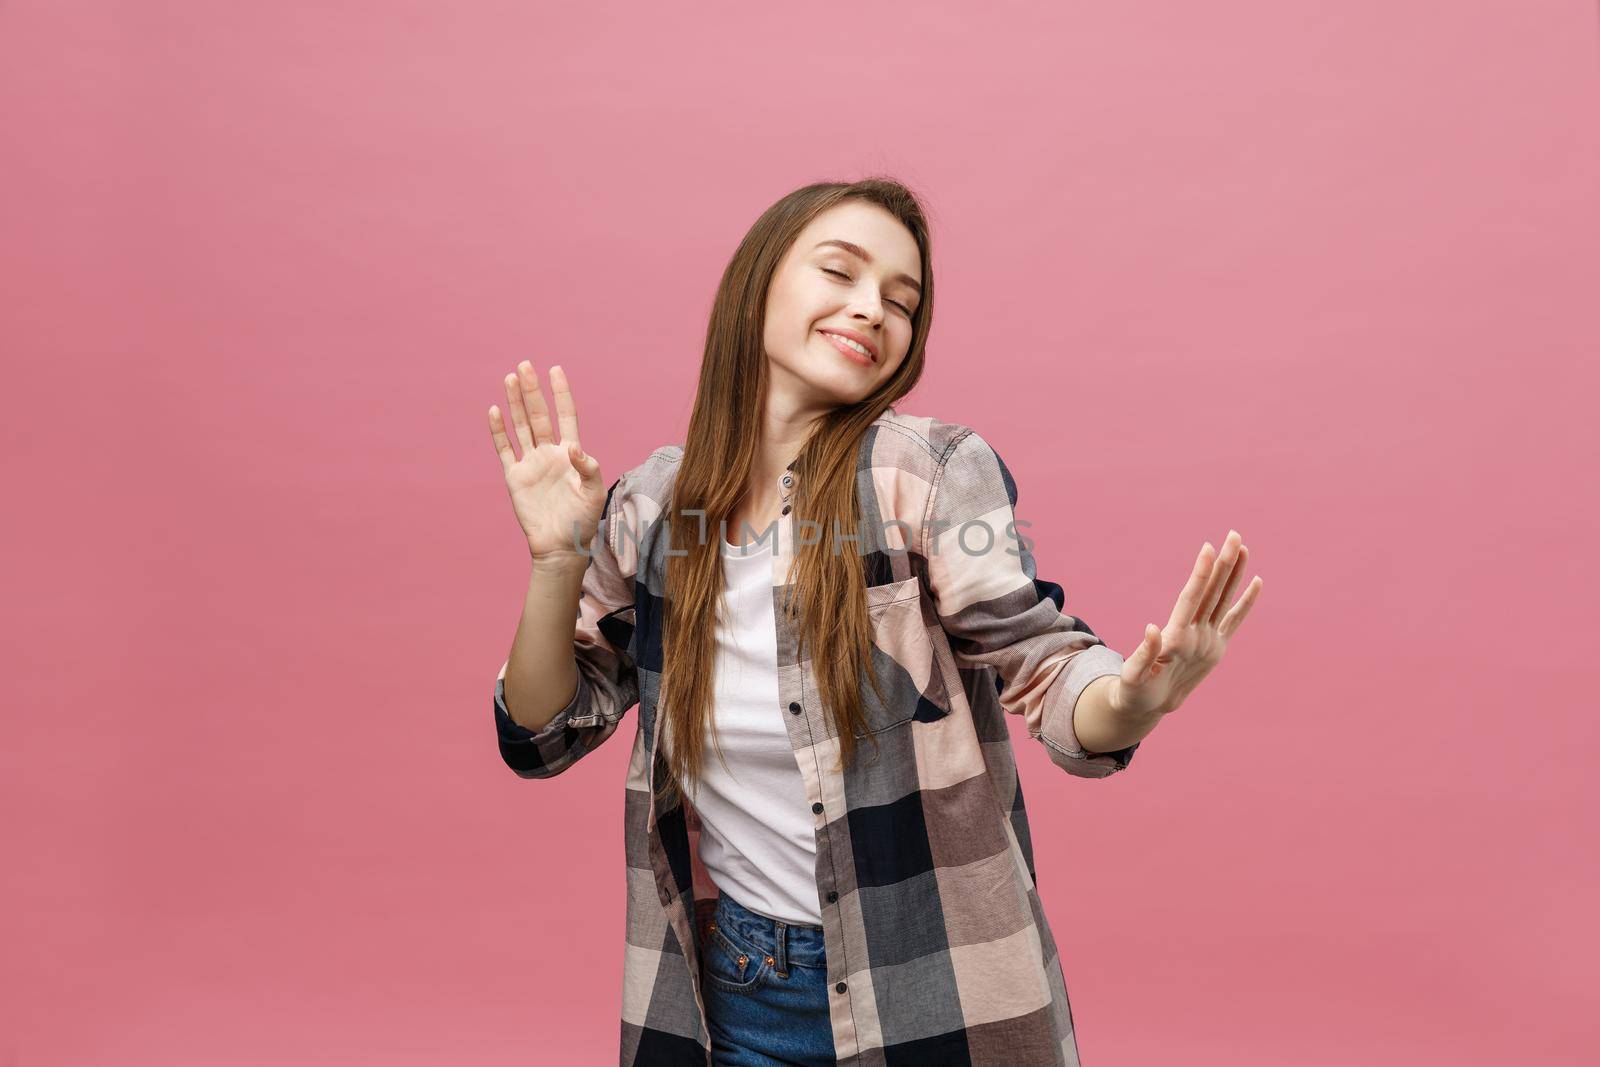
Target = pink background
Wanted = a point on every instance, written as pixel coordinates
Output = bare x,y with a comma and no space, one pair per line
1321,272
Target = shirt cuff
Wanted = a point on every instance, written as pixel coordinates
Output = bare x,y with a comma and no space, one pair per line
576,713
1061,739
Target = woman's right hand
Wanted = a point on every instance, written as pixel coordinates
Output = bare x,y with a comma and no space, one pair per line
556,488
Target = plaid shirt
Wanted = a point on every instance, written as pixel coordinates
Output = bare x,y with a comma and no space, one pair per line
937,946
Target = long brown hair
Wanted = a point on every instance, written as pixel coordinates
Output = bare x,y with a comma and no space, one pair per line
718,456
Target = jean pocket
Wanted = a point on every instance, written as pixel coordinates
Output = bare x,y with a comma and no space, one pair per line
732,967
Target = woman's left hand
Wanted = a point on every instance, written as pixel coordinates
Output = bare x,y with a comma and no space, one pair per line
1170,662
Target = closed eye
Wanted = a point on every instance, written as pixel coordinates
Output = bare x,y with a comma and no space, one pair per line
846,277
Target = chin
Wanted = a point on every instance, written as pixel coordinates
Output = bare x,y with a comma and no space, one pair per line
843,397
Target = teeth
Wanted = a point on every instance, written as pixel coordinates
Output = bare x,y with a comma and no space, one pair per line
858,347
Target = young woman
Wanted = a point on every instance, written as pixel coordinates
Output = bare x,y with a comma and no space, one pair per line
836,596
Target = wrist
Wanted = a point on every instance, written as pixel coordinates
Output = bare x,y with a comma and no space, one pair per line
1119,716
1112,694
1119,708
559,565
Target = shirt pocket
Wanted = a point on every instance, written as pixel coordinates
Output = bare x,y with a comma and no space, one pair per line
908,666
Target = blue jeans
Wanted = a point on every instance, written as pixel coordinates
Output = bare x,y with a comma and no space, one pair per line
766,991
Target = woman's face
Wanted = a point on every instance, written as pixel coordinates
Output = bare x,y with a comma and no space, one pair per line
822,289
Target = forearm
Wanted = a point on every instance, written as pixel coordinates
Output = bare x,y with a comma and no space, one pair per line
541,671
1100,726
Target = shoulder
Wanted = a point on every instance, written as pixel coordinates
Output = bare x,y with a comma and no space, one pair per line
922,467
942,468
924,446
635,501
652,479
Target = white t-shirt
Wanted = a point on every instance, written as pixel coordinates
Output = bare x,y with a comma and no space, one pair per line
758,841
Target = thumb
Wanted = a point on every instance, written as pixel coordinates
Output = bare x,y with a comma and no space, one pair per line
587,466
1138,664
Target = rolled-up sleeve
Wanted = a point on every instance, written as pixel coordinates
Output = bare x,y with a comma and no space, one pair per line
608,682
998,614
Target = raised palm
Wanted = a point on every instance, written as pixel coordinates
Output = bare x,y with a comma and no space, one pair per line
556,488
1171,661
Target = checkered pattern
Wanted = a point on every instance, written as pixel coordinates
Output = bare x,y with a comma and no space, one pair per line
938,949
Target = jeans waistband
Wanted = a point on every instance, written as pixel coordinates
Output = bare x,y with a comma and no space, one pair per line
788,943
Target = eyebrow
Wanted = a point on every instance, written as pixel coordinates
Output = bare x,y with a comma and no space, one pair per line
857,250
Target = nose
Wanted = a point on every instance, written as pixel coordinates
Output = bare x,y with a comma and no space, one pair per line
870,313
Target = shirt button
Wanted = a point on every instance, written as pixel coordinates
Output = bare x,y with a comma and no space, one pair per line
817,808
840,988
786,509
832,896
794,706
788,479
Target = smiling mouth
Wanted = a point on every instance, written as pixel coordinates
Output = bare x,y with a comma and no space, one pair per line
847,349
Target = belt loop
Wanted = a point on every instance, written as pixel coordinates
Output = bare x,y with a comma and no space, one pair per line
782,966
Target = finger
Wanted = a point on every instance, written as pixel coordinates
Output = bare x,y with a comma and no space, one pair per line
1188,600
519,413
1219,576
566,411
1138,664
1235,617
538,414
497,430
1235,576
